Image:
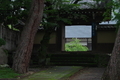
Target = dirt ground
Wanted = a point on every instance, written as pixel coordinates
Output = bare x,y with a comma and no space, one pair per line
88,74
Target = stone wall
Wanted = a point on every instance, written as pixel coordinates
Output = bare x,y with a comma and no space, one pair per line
10,36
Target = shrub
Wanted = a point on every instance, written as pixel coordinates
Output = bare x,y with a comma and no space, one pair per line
2,42
75,45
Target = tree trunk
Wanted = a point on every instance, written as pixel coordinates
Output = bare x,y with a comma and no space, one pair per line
113,69
24,50
44,46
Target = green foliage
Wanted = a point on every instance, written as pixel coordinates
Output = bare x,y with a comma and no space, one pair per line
7,73
52,13
2,42
75,45
11,27
13,10
116,10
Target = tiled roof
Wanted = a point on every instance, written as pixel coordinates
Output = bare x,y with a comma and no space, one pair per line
106,27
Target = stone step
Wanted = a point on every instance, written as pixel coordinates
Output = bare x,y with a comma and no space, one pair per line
75,64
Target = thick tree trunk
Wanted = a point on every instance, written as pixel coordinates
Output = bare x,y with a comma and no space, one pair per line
113,69
24,50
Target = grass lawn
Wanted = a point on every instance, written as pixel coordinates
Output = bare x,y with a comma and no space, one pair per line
7,73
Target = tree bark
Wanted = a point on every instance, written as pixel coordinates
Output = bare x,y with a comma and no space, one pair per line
113,69
42,53
24,49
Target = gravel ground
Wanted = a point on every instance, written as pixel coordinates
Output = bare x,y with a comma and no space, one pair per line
88,74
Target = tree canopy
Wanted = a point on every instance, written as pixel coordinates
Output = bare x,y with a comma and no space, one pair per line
14,11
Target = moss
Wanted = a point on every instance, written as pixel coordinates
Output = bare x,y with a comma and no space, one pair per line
7,73
56,73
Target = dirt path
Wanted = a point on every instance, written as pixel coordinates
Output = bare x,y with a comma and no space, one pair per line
88,74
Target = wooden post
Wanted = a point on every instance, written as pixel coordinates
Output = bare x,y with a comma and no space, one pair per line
63,37
94,36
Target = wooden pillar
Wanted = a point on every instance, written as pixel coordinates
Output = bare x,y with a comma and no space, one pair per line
63,38
60,38
94,36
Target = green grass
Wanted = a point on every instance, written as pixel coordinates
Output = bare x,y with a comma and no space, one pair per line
7,73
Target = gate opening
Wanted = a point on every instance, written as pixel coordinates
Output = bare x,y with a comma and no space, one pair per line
78,38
